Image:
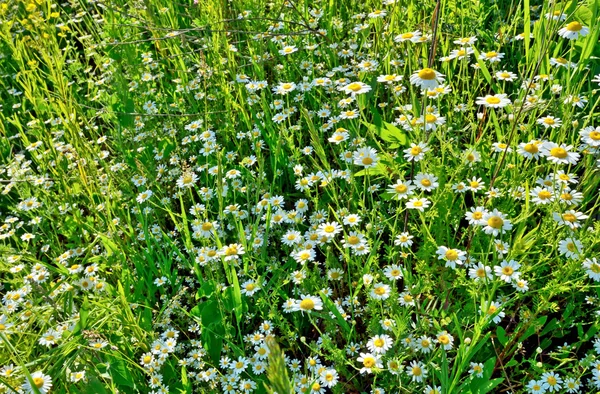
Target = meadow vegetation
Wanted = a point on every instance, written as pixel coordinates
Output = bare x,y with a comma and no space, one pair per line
298,196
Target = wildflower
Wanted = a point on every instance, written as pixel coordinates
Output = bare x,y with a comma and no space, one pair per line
380,344
329,229
592,268
288,49
591,136
530,150
480,272
475,184
431,120
328,377
418,203
493,101
536,387
570,218
41,381
416,152
355,88
573,31
187,180
393,272
232,251
505,76
404,240
451,256
369,361
559,154
413,36
491,56
417,371
308,303
380,291
445,340
401,189
426,182
549,122
507,270
144,196
571,248
495,223
493,310
427,78
476,369
249,288
366,157
551,381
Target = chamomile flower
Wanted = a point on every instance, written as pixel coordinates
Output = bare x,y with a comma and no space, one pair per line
416,152
495,223
426,182
591,136
507,270
530,150
573,31
570,218
39,380
427,78
308,303
592,268
380,344
505,76
549,122
365,157
380,291
329,229
401,189
355,88
369,361
417,371
452,257
494,101
559,154
418,203
404,240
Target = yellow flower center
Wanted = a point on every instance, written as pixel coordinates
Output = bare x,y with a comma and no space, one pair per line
416,371
380,290
491,54
595,268
407,36
408,298
369,362
147,359
574,26
355,86
474,184
551,379
566,196
39,382
571,247
430,118
250,286
544,195
307,304
329,228
353,240
367,161
401,189
415,150
560,153
595,135
378,342
530,148
444,339
427,74
492,309
207,226
418,203
492,100
477,215
480,272
395,273
451,255
286,86
426,182
508,271
495,222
